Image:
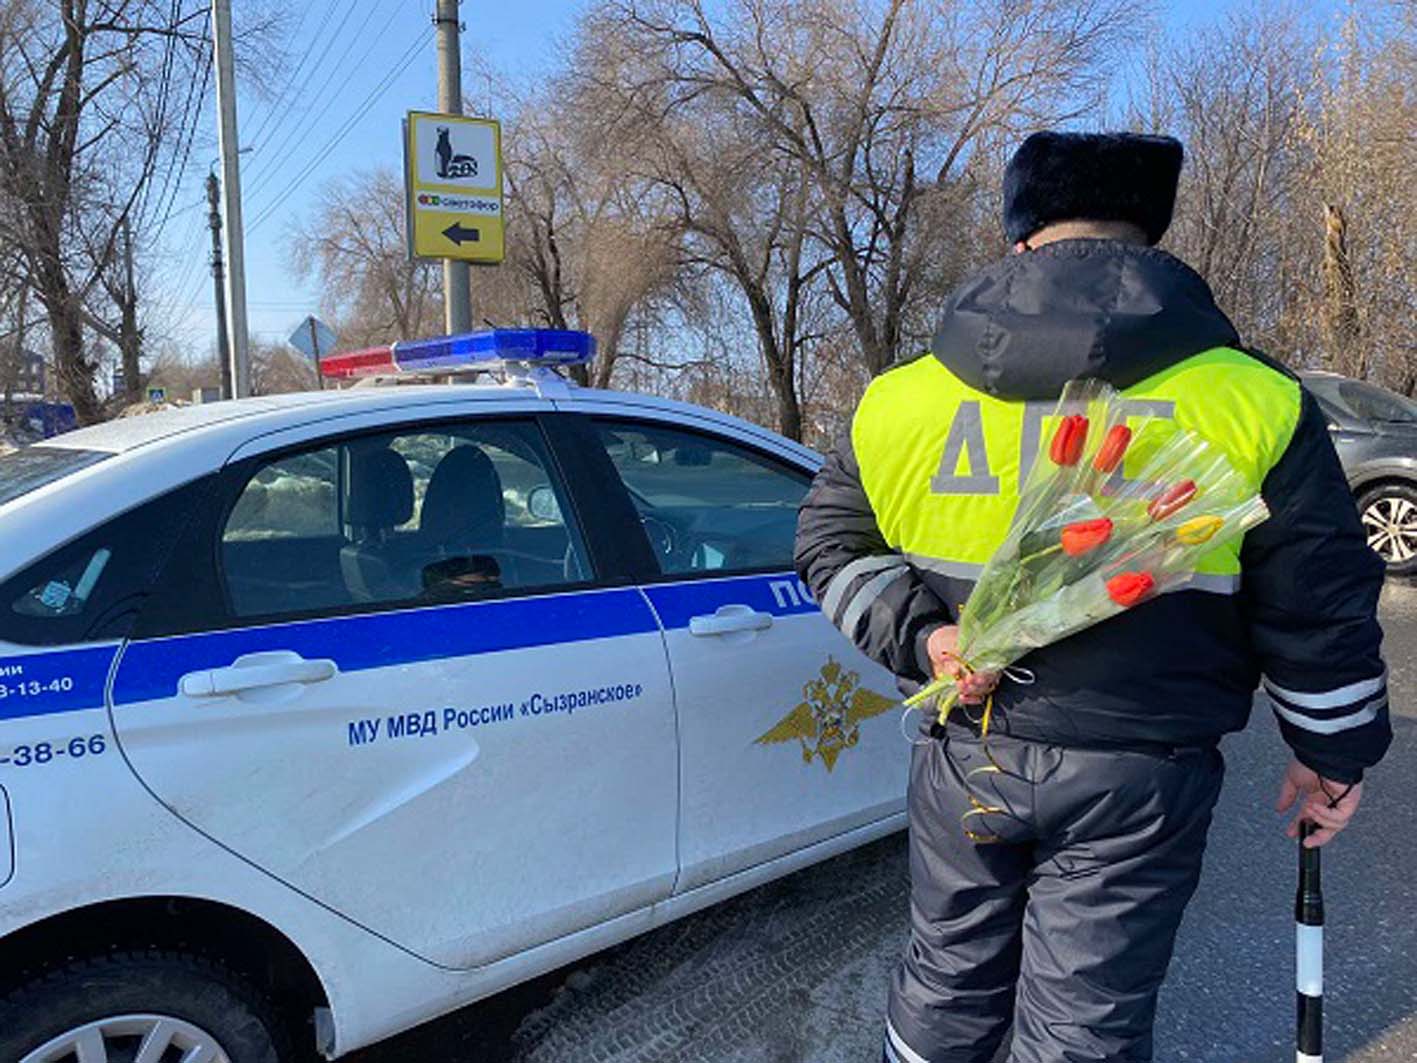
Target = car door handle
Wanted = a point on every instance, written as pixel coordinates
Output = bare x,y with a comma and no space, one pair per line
255,670
727,619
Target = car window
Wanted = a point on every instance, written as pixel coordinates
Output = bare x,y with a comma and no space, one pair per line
1377,404
78,592
707,505
452,513
30,468
290,498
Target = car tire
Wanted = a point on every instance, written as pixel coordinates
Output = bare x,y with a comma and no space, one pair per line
119,998
1389,515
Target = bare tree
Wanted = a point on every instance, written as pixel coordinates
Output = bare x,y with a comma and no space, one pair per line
1362,232
1234,93
592,246
355,247
883,107
90,104
276,368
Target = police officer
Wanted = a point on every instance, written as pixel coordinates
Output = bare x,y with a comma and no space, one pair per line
1061,916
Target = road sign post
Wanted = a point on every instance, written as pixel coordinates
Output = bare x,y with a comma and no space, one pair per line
313,338
453,181
457,287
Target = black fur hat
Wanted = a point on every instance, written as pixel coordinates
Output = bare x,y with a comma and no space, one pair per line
1095,176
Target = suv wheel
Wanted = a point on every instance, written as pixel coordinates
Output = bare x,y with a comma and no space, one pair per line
139,1007
1389,513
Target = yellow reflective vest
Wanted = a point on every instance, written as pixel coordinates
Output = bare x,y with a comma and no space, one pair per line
943,463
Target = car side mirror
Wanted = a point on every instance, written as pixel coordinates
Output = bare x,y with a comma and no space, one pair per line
542,504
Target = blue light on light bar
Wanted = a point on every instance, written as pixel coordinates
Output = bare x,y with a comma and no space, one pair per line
536,346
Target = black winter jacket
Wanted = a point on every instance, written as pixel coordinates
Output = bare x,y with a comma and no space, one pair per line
1179,670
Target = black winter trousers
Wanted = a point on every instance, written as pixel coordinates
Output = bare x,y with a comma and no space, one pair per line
1065,925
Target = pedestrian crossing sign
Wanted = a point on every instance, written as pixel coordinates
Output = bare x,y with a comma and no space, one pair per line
453,187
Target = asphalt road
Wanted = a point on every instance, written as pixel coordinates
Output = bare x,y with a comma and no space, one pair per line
795,972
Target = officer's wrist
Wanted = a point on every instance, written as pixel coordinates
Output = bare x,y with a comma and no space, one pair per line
922,649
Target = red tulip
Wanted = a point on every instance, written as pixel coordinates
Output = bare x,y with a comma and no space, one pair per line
1171,499
1113,449
1084,535
1130,587
1068,440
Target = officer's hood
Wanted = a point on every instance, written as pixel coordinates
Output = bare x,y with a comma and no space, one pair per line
1023,327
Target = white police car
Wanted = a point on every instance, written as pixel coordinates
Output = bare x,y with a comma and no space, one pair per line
324,714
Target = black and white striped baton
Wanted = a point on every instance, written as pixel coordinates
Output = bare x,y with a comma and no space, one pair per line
1309,953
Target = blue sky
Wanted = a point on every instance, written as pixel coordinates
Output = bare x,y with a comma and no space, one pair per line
335,117
347,47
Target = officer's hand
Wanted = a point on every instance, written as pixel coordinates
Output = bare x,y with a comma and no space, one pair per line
1327,804
943,648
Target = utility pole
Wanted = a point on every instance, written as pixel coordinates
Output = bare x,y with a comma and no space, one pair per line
231,198
223,343
457,298
129,336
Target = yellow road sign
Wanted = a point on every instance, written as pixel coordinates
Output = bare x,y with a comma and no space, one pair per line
453,183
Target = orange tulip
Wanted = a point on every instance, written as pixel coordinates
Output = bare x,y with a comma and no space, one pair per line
1068,440
1171,499
1085,535
1130,587
1113,449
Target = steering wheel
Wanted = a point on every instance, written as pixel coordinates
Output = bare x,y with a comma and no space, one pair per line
663,537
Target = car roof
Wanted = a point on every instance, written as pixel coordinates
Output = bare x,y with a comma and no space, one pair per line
262,415
266,413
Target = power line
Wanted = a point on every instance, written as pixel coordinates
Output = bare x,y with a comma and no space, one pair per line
196,115
305,126
349,123
159,117
330,39
294,77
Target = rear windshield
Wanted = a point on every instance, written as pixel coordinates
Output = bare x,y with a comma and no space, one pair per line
24,470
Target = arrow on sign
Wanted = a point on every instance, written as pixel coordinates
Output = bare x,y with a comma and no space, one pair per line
457,234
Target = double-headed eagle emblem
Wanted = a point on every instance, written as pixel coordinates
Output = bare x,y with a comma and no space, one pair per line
829,718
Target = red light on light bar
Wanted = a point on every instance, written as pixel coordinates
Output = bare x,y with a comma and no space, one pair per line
371,361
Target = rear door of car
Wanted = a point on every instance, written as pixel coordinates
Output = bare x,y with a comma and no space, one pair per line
456,730
787,734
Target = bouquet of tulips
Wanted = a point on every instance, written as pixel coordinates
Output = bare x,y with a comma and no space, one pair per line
1115,510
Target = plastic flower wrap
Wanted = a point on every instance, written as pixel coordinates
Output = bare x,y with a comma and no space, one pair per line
1116,509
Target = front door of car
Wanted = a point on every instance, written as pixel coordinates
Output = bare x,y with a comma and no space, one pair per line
787,734
405,693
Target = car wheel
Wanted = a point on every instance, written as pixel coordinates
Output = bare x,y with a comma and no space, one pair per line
1389,513
140,1007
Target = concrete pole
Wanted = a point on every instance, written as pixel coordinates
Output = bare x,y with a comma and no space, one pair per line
231,198
223,340
457,299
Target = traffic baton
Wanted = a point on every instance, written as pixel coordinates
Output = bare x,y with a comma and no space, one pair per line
1309,953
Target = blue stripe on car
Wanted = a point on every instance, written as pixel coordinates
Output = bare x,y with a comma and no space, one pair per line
153,668
37,684
781,594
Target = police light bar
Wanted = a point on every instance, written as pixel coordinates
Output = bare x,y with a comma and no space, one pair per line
467,352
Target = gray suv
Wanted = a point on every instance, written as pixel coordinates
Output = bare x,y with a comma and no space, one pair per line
1375,431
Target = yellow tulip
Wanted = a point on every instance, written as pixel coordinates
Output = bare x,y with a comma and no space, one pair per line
1199,530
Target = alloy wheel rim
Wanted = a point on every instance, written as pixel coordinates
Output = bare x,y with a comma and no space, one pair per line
1390,523
131,1039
